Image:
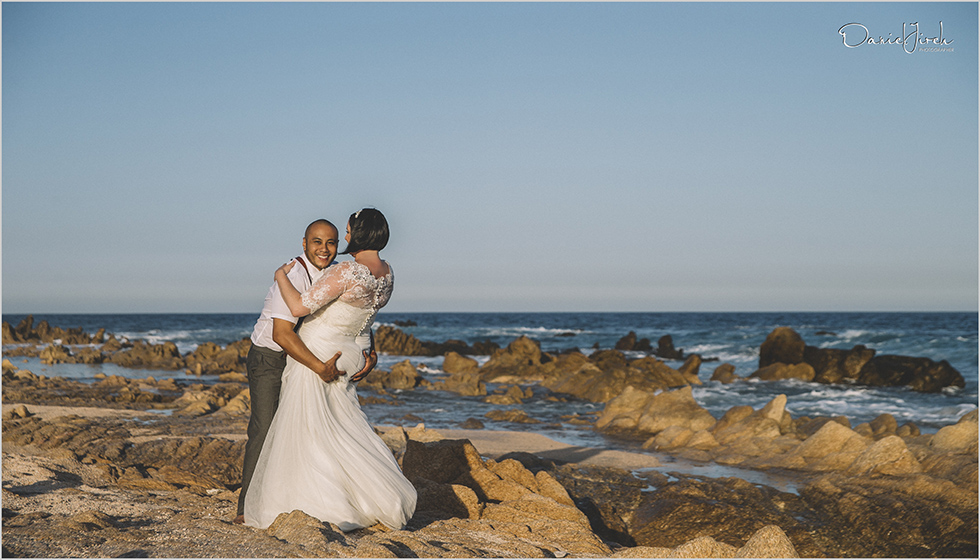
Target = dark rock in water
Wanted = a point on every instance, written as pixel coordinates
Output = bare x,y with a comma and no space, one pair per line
407,323
825,333
389,340
514,415
919,374
565,334
833,365
782,345
779,370
859,365
690,369
630,343
471,424
454,362
666,350
25,332
514,363
725,373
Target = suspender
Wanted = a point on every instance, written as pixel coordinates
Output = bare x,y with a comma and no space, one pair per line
300,261
307,270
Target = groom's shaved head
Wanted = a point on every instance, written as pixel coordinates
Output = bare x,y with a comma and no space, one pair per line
321,222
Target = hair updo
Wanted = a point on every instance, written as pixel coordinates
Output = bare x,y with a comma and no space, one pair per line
368,231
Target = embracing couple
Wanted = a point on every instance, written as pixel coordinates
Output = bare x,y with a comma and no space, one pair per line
310,447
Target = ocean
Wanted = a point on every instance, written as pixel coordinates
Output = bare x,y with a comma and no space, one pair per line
728,337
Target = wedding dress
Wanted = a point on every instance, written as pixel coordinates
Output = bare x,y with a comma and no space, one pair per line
321,455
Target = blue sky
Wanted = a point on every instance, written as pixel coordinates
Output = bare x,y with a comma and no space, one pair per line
529,157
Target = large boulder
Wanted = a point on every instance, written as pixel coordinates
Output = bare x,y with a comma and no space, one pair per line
919,374
631,343
833,365
454,362
390,340
643,413
778,370
782,345
512,364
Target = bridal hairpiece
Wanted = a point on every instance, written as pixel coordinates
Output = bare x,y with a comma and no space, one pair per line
357,214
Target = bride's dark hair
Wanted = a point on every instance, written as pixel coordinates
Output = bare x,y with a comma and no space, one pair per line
368,231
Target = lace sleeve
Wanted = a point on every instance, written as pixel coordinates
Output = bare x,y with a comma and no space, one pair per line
327,288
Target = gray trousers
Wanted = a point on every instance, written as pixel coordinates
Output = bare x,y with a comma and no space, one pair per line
264,368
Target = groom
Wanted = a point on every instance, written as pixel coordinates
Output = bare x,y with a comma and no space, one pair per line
274,337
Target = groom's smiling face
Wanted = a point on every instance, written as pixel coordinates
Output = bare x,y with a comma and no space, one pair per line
320,245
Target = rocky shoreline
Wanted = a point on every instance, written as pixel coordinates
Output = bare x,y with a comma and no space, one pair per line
156,472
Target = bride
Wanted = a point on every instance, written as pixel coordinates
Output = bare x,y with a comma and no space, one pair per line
321,455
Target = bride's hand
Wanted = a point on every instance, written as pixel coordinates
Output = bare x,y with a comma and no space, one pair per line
286,267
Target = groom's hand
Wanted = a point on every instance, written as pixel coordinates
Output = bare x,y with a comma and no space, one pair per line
329,372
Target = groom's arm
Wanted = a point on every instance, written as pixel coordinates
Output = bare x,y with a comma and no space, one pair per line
284,335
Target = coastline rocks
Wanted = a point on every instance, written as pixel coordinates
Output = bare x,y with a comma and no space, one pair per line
389,340
666,350
828,365
455,363
725,374
514,364
833,365
642,412
783,345
919,374
25,332
606,374
631,344
403,376
779,370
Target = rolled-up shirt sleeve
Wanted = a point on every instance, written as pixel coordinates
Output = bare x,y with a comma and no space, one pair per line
277,306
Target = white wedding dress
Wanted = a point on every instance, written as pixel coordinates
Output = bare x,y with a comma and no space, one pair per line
321,455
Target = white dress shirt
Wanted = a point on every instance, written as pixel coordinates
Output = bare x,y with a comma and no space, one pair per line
275,307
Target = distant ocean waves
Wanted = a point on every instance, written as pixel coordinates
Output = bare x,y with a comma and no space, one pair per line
721,337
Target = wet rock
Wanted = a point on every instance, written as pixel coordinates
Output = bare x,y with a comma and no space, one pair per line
630,343
455,363
514,415
389,340
778,370
833,365
512,364
151,356
782,345
725,373
403,376
466,384
919,374
472,424
513,395
690,368
666,350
